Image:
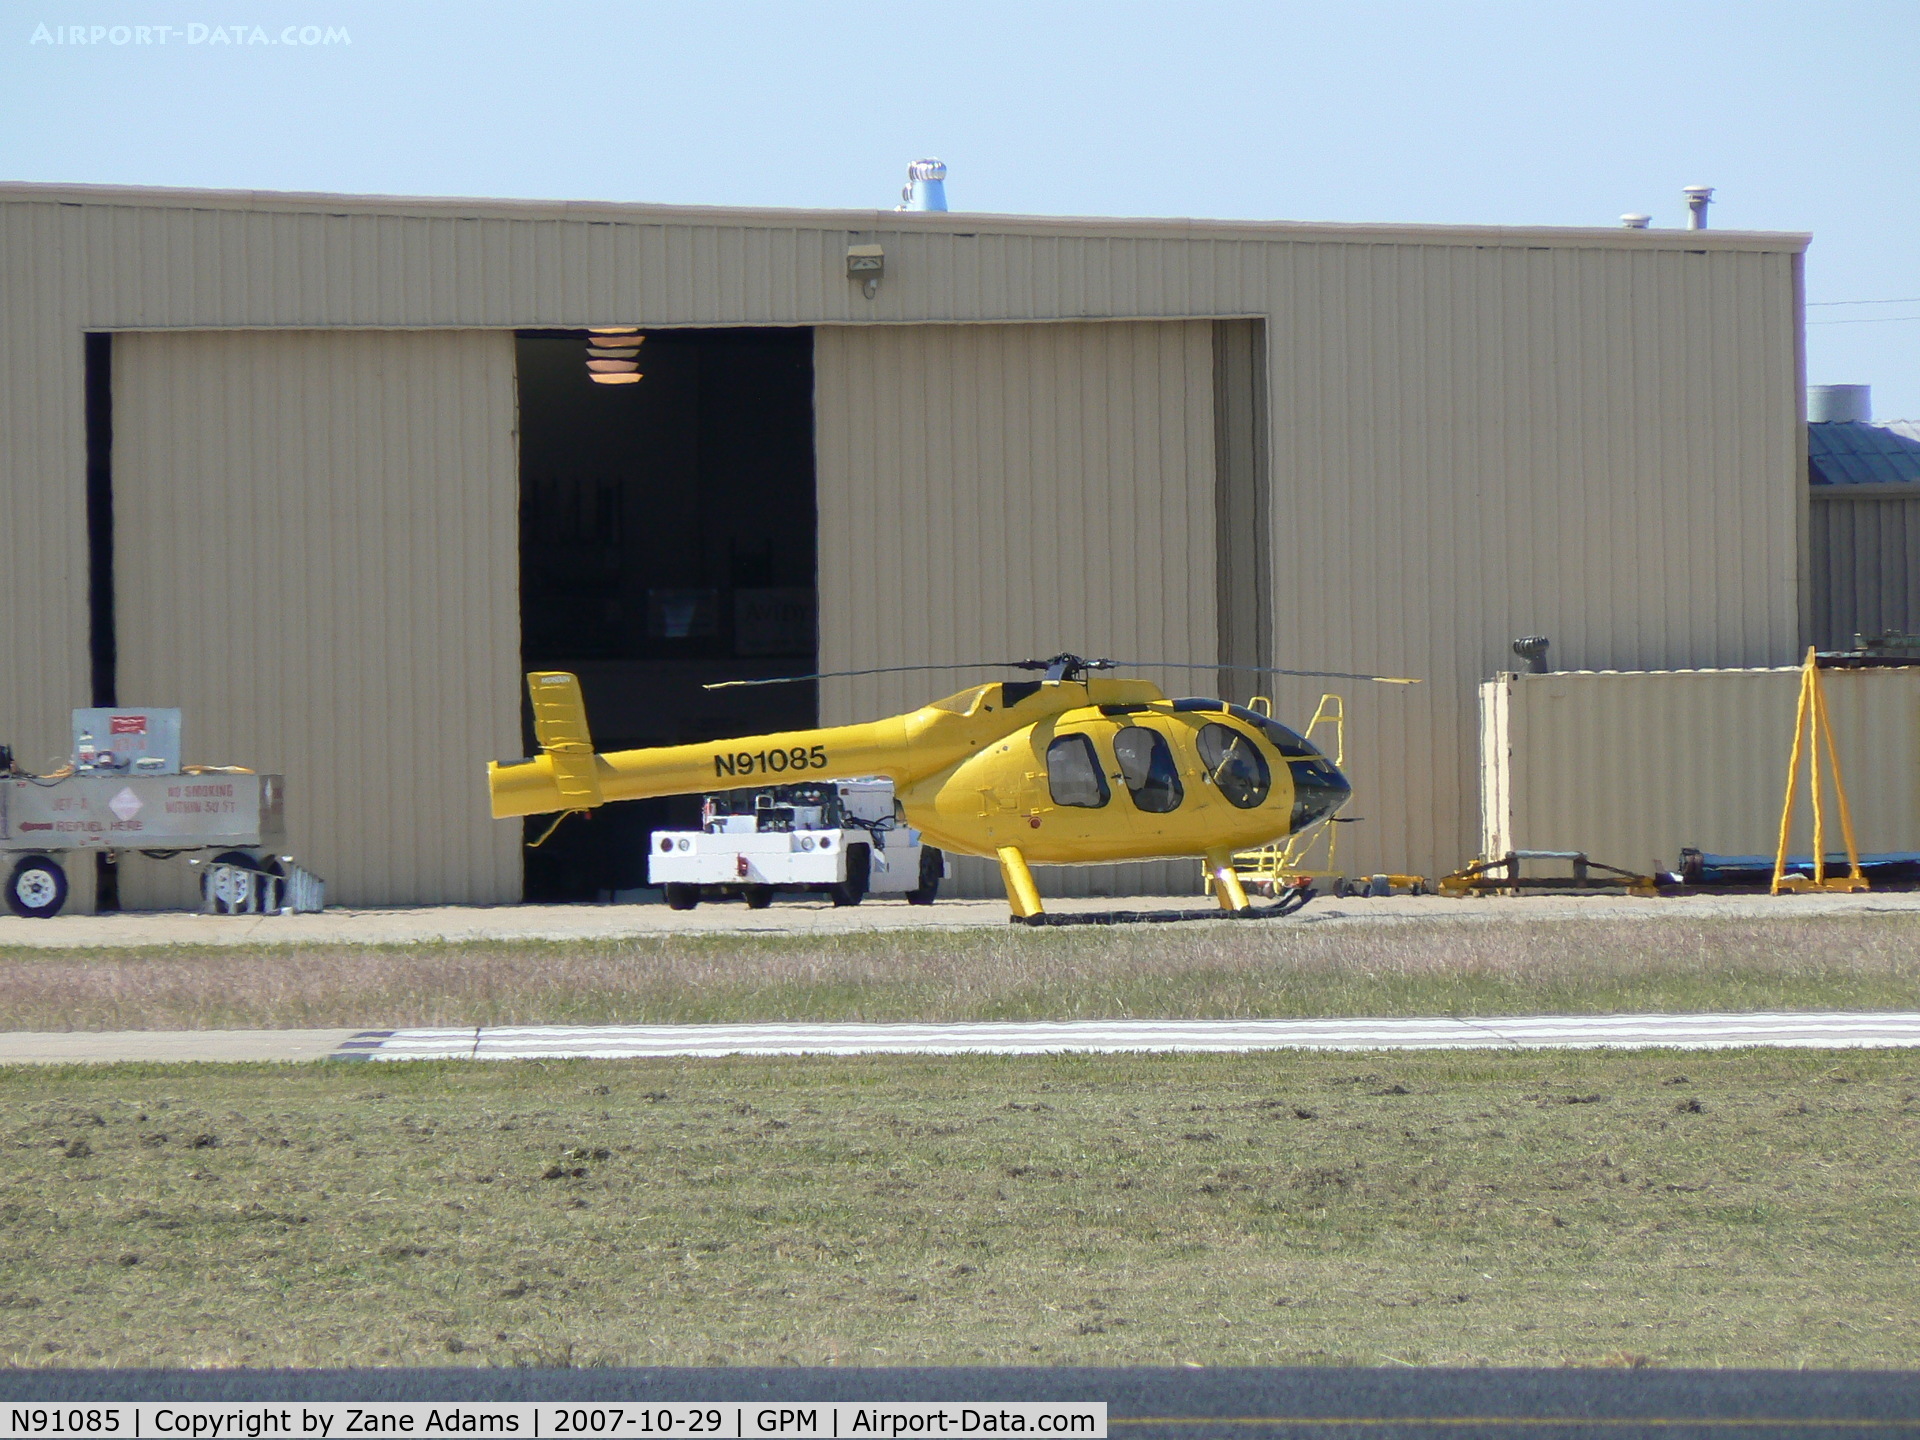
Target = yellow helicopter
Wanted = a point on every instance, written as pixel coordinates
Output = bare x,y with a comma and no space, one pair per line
1070,769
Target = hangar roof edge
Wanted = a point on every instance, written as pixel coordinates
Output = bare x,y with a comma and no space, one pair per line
956,222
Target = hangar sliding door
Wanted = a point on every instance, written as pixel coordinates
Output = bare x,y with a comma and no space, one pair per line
315,558
990,492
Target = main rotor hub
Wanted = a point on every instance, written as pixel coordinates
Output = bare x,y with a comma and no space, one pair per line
1065,666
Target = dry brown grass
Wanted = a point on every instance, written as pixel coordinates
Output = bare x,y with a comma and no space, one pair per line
1513,1209
1424,967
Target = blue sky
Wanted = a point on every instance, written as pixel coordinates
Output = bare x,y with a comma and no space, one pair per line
1803,116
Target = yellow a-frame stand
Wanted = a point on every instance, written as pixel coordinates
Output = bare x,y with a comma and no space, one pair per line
1811,726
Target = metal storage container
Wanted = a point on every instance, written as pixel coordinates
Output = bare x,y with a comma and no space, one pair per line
1631,766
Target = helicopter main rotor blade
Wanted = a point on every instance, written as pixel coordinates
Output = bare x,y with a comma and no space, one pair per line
1269,670
844,674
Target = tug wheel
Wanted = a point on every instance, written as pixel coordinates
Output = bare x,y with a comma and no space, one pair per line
37,888
853,889
758,897
682,897
931,864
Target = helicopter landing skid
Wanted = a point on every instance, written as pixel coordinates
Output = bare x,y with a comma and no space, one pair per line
1288,904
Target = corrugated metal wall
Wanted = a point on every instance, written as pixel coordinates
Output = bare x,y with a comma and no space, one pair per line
317,560
1632,767
1242,508
1474,445
44,668
1865,561
1001,491
1473,433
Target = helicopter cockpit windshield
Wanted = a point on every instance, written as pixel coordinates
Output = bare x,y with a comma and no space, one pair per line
1289,743
1319,789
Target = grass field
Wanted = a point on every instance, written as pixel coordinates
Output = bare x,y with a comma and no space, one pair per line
1281,969
1732,1208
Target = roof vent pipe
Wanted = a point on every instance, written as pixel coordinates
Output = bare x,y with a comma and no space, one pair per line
926,187
1827,403
1698,198
1634,220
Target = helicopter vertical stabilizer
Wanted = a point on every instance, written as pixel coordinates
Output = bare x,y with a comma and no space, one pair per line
560,725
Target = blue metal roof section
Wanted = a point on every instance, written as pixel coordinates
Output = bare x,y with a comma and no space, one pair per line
1852,452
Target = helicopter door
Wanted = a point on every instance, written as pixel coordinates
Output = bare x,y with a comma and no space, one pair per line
1146,765
1074,773
1235,765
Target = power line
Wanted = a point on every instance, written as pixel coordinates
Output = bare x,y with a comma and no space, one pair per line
1913,300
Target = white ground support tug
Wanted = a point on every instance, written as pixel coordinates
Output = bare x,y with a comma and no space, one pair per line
842,838
123,788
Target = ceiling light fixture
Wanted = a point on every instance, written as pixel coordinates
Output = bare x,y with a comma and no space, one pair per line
612,354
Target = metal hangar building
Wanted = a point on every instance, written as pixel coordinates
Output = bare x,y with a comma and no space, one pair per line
328,473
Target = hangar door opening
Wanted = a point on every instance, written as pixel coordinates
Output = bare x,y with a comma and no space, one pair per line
667,540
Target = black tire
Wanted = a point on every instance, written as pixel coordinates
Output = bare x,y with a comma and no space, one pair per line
37,888
682,897
240,860
932,862
853,889
758,897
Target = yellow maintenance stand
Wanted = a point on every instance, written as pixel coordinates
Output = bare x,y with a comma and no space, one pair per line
1811,727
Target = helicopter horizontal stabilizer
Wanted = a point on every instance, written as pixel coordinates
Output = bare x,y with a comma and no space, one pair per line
560,725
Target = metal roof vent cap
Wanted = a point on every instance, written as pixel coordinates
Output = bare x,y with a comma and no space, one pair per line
1533,650
926,187
1698,198
1827,403
1634,220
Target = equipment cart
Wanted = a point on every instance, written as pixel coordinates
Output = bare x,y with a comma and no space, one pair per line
125,789
841,838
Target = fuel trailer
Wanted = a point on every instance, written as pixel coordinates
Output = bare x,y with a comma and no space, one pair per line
124,788
842,838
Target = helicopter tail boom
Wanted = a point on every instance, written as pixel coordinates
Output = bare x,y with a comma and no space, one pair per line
568,775
546,782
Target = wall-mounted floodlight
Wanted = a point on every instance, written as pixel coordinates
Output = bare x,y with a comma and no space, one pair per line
866,263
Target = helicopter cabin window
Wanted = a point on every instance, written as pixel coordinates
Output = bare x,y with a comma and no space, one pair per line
1234,765
1073,773
1146,764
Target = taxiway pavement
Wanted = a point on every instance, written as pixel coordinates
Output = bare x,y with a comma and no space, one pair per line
458,924
1787,1029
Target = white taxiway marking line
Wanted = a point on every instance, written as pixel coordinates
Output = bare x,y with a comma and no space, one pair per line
1796,1029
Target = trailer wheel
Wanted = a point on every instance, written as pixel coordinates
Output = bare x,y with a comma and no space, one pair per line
226,899
682,897
932,863
37,888
853,889
758,897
